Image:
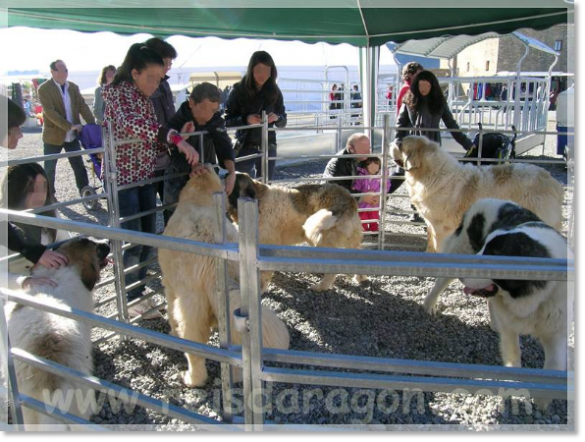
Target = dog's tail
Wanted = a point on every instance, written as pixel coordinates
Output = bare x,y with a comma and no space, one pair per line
317,223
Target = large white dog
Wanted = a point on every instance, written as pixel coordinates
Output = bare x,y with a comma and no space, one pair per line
190,281
542,309
323,215
442,189
57,338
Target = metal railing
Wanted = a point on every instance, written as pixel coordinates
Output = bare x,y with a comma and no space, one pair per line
253,258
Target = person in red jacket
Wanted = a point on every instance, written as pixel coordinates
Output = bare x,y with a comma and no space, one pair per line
409,71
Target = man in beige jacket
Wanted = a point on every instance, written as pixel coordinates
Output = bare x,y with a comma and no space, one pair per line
62,104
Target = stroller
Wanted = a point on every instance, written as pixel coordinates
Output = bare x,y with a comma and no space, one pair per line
91,138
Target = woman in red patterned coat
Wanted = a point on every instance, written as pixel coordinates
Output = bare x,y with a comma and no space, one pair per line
129,109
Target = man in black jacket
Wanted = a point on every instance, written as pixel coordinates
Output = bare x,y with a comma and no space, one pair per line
201,111
357,144
164,106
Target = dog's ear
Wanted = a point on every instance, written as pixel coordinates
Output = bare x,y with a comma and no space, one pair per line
248,187
90,273
233,198
412,152
252,190
83,253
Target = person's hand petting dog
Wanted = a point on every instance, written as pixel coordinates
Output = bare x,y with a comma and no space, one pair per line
198,169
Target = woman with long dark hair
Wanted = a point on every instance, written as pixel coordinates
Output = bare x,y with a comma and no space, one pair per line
25,186
132,114
256,92
425,107
14,193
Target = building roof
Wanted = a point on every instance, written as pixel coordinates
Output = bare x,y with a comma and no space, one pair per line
448,47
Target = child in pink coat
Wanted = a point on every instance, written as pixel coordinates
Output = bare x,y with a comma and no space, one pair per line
371,166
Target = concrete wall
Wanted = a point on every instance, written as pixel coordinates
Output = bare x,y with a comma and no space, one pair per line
472,61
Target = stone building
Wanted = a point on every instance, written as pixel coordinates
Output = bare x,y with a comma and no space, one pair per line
501,54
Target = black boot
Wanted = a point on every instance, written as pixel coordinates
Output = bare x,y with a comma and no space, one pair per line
415,217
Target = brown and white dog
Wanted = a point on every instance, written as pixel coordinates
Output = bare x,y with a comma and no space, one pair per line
57,338
190,280
442,189
323,215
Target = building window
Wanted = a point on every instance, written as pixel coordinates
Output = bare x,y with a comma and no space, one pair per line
468,67
558,45
487,65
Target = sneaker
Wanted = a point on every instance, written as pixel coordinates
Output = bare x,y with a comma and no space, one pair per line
142,307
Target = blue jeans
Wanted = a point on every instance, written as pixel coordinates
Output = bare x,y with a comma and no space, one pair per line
255,166
76,164
160,191
564,140
133,201
173,187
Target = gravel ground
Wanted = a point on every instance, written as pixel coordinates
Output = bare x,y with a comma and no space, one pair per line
383,317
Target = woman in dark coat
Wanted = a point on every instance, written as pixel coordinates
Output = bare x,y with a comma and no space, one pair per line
424,106
256,92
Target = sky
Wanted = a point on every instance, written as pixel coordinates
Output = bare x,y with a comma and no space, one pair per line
37,48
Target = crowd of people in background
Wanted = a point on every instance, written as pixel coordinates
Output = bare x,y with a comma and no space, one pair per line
136,99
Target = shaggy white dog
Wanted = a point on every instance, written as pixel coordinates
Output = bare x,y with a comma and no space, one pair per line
442,189
323,215
190,281
57,338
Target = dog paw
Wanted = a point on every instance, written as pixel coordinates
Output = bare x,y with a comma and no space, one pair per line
494,327
194,379
320,288
358,279
431,307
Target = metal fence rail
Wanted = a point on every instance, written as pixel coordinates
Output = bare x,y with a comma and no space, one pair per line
253,257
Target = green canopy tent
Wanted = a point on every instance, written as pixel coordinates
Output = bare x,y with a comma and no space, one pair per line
364,23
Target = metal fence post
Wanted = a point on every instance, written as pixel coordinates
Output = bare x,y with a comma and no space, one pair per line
111,177
251,307
224,313
264,147
9,372
384,181
202,148
339,133
480,147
